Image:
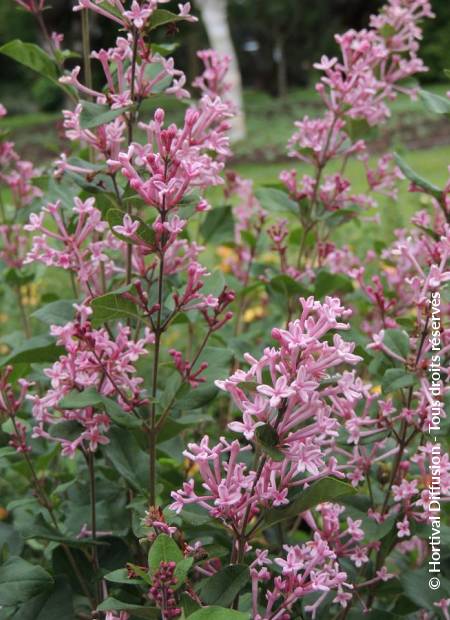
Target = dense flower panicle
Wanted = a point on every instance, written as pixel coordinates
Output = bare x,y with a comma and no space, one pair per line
93,360
213,80
357,87
294,390
374,61
11,404
319,140
17,176
80,249
307,569
384,178
137,17
173,161
13,245
345,541
303,411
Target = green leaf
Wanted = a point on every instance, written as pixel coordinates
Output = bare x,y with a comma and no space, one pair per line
164,49
128,458
218,613
56,313
195,399
397,341
218,225
188,604
375,614
111,307
121,576
324,490
39,349
114,217
92,398
40,529
15,277
358,128
93,114
267,438
20,581
53,604
181,571
10,539
162,17
435,103
286,287
164,549
214,284
395,379
138,611
223,587
275,200
33,57
249,238
409,173
415,586
328,283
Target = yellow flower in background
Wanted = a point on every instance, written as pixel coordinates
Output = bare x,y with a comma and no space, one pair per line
253,313
3,317
376,389
228,256
29,294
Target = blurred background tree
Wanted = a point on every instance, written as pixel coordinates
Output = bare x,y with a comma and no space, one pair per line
276,43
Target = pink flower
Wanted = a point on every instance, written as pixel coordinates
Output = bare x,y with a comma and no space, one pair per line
129,228
138,15
280,390
403,528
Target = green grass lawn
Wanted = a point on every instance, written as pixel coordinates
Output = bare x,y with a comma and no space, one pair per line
270,121
431,164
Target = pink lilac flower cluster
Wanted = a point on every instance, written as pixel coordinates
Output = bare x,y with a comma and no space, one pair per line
92,360
124,87
357,87
306,569
10,406
414,265
299,393
173,160
374,62
138,17
408,286
81,249
17,176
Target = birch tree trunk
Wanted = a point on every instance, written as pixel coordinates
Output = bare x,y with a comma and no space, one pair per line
215,19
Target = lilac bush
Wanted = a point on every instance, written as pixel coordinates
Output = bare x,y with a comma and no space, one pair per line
219,410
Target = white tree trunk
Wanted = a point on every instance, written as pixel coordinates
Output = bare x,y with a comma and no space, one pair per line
215,19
